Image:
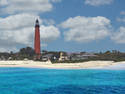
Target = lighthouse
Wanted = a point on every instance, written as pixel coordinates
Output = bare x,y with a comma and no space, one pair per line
37,39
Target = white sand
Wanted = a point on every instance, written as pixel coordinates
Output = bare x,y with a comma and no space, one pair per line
117,66
84,65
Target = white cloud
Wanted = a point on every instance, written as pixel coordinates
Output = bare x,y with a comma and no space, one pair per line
27,6
55,1
49,33
18,21
122,12
18,30
19,36
3,2
86,29
121,19
43,45
119,36
48,21
98,2
8,49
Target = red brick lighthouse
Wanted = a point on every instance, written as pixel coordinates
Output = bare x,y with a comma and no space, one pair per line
37,39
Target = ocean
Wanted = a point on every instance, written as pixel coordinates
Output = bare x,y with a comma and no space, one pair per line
59,81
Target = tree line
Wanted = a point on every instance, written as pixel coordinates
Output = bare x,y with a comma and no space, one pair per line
29,53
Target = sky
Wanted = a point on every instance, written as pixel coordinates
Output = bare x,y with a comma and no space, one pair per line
65,25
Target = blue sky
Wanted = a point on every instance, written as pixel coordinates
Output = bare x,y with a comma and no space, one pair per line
66,25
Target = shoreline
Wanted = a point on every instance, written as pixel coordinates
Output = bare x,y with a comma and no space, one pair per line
49,65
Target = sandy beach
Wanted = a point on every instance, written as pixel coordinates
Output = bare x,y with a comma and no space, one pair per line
48,64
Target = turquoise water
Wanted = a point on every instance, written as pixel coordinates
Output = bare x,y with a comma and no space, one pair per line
52,81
